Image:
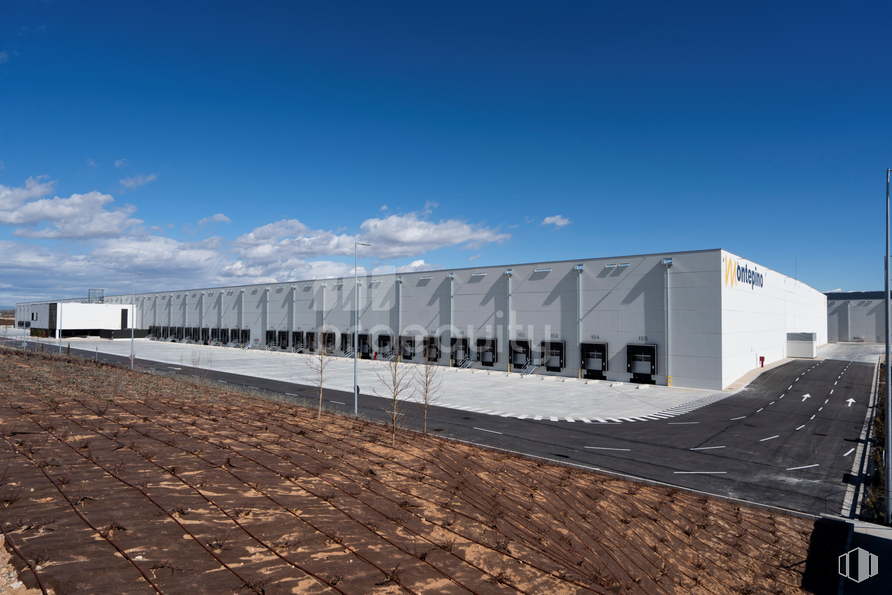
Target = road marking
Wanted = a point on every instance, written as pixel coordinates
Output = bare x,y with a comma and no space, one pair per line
222,382
850,401
782,396
507,415
554,418
769,438
800,427
760,410
812,417
797,380
807,396
291,394
485,430
171,367
790,387
834,384
849,452
537,418
825,402
803,467
682,423
606,448
338,402
736,418
772,403
707,447
699,472
524,416
254,387
820,408
585,420
571,420
831,391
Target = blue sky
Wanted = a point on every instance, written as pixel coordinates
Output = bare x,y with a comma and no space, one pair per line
211,143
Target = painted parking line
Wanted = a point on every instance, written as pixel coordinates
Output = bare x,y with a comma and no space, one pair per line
506,415
812,417
736,418
769,438
760,410
485,430
338,402
606,448
682,423
254,387
291,394
803,467
790,387
537,418
800,427
171,367
571,420
585,420
524,416
699,472
850,451
772,403
707,447
554,418
831,391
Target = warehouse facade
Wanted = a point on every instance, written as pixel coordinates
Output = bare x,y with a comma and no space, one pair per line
857,316
697,319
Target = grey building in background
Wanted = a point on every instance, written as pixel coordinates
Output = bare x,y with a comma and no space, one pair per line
856,316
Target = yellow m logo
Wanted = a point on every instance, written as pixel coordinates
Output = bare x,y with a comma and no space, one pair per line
730,272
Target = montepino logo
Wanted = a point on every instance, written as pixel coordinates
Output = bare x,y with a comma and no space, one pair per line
737,274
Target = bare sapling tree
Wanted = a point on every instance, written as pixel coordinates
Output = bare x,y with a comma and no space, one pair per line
317,366
429,385
395,380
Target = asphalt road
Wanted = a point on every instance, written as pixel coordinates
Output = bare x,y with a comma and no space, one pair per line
787,440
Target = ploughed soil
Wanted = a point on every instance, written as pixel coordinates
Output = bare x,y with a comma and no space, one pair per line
114,481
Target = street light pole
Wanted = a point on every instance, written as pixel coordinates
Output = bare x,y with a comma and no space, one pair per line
132,311
62,289
356,328
888,426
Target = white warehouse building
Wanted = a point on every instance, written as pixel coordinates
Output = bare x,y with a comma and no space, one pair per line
698,319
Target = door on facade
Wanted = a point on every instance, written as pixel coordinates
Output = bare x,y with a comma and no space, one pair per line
124,319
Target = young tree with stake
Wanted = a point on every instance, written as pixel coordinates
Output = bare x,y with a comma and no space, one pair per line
395,377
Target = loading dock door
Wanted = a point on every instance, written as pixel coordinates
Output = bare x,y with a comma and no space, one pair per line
520,353
594,360
432,349
283,340
459,351
124,319
215,334
188,336
365,346
297,340
224,336
311,341
246,336
487,352
329,339
553,355
180,333
385,345
642,363
407,347
270,338
233,335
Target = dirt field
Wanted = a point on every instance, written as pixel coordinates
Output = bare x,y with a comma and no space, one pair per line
114,481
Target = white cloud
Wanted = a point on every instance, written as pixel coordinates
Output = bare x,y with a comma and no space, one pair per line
400,236
80,216
4,57
91,163
383,207
213,220
119,163
12,198
138,180
557,221
2,166
208,221
418,266
475,257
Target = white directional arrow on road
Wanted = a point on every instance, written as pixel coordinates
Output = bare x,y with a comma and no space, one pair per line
850,401
807,396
